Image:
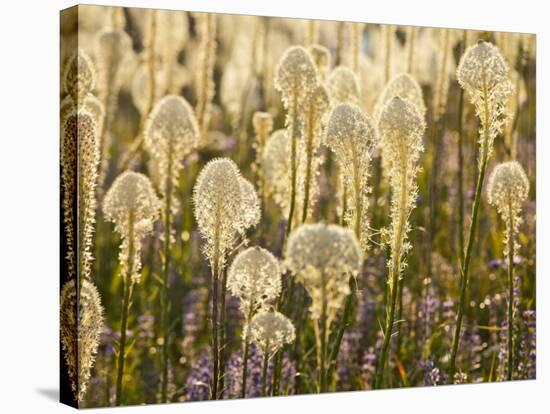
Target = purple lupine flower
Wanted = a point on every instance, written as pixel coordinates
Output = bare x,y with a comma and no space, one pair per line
234,368
503,351
474,347
348,358
495,263
193,318
145,342
432,374
197,384
527,348
368,367
427,313
288,375
233,372
449,319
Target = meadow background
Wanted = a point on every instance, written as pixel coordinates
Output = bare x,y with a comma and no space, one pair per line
242,86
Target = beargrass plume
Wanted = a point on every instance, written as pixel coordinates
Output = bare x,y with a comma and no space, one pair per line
132,205
508,188
483,74
401,129
351,137
322,258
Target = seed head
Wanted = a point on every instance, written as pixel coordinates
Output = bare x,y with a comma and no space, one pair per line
350,135
132,205
205,89
255,278
112,47
79,76
276,168
79,170
171,133
483,74
404,86
343,86
401,129
320,102
271,330
324,255
295,76
321,58
508,189
262,122
225,205
263,125
250,206
80,335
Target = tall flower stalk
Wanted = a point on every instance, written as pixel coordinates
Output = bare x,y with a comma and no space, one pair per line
132,205
205,73
112,48
351,136
460,161
81,324
322,258
508,188
343,86
171,133
295,78
406,87
263,125
270,331
150,75
79,173
81,311
225,206
401,128
255,278
483,74
315,123
322,59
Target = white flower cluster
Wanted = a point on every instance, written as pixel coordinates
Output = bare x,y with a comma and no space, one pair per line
401,129
132,205
255,278
508,189
351,136
322,257
225,205
271,330
483,74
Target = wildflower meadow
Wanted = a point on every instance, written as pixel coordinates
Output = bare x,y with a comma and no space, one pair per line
259,206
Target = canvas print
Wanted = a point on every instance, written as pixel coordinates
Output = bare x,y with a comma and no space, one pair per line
262,206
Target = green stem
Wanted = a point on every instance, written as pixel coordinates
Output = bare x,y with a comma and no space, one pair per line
165,279
399,316
395,270
283,302
510,293
127,287
323,330
344,323
299,321
293,166
309,161
222,344
215,294
465,269
246,349
484,153
460,179
460,172
357,195
264,370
